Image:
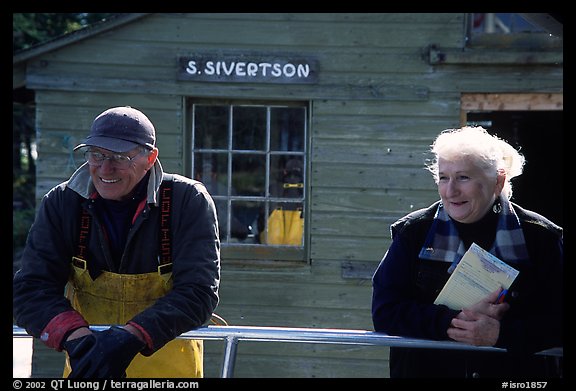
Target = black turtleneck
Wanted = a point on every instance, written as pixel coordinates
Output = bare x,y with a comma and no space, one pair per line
481,232
116,216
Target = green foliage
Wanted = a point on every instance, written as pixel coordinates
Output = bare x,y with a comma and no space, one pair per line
23,158
29,29
23,209
23,172
22,220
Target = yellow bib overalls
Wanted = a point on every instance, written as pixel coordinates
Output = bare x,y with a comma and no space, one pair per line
114,299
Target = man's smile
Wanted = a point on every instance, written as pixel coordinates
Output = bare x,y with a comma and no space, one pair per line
109,180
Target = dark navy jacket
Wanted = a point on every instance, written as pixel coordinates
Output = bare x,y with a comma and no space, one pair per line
405,287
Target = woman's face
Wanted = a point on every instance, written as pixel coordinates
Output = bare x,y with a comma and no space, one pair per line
466,191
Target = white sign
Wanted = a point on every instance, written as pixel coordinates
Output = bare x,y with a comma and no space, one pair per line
253,68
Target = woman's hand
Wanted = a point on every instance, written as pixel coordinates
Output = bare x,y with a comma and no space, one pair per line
488,307
479,324
474,328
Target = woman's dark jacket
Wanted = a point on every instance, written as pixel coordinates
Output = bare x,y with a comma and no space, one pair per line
38,287
404,288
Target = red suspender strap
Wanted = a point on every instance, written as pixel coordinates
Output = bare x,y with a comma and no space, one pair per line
79,260
165,257
165,229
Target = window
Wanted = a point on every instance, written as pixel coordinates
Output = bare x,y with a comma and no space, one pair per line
522,31
506,39
503,23
252,159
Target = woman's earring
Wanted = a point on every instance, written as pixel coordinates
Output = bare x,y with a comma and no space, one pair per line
497,208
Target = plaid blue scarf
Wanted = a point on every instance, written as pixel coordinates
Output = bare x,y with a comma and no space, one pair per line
443,243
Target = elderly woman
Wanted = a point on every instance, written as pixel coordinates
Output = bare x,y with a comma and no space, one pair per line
472,170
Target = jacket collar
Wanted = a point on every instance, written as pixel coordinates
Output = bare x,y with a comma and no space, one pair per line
81,182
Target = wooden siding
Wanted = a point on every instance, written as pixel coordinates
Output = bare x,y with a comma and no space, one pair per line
375,110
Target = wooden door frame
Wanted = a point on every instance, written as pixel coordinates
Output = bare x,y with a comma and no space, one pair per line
509,102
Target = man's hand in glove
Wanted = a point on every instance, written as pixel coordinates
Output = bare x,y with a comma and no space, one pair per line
103,354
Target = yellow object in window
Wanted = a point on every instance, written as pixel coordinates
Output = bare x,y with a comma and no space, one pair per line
285,227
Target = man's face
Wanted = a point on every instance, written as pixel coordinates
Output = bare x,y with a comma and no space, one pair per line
114,179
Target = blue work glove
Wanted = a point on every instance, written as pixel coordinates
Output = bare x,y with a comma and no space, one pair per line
78,348
103,354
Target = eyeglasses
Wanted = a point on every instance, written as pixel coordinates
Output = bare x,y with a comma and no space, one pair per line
120,161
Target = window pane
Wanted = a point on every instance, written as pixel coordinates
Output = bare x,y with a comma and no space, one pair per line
249,128
287,129
211,127
222,211
245,216
248,174
286,176
502,23
212,170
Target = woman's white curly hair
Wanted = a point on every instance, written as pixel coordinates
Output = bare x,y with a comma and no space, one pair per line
490,152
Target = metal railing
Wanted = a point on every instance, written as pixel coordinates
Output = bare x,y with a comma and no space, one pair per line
232,335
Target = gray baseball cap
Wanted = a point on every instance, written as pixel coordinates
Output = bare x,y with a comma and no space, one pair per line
120,129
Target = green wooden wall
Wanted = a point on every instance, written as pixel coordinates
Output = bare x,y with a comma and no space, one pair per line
376,108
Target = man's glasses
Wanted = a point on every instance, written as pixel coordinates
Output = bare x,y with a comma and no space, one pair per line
117,160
